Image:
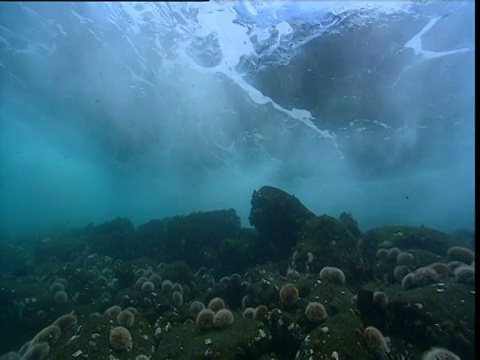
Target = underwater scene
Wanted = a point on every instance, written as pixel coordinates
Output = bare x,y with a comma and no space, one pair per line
237,180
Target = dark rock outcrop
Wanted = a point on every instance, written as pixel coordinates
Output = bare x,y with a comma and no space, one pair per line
279,217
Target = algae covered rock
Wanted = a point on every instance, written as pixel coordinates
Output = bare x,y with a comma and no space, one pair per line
336,338
59,246
336,298
434,315
196,238
405,237
351,223
116,238
327,241
244,339
100,337
278,216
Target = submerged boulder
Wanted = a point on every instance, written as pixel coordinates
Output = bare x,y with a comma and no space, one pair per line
405,237
335,338
243,339
115,238
434,315
278,217
196,238
327,241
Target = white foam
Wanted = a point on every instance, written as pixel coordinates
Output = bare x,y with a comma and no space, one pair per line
416,44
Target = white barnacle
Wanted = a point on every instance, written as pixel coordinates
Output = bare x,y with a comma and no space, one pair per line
73,338
77,353
208,353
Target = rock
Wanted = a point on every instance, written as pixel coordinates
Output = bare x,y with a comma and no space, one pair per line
327,241
278,217
337,336
244,339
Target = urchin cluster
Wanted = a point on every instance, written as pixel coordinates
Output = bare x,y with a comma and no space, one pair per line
420,277
214,316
